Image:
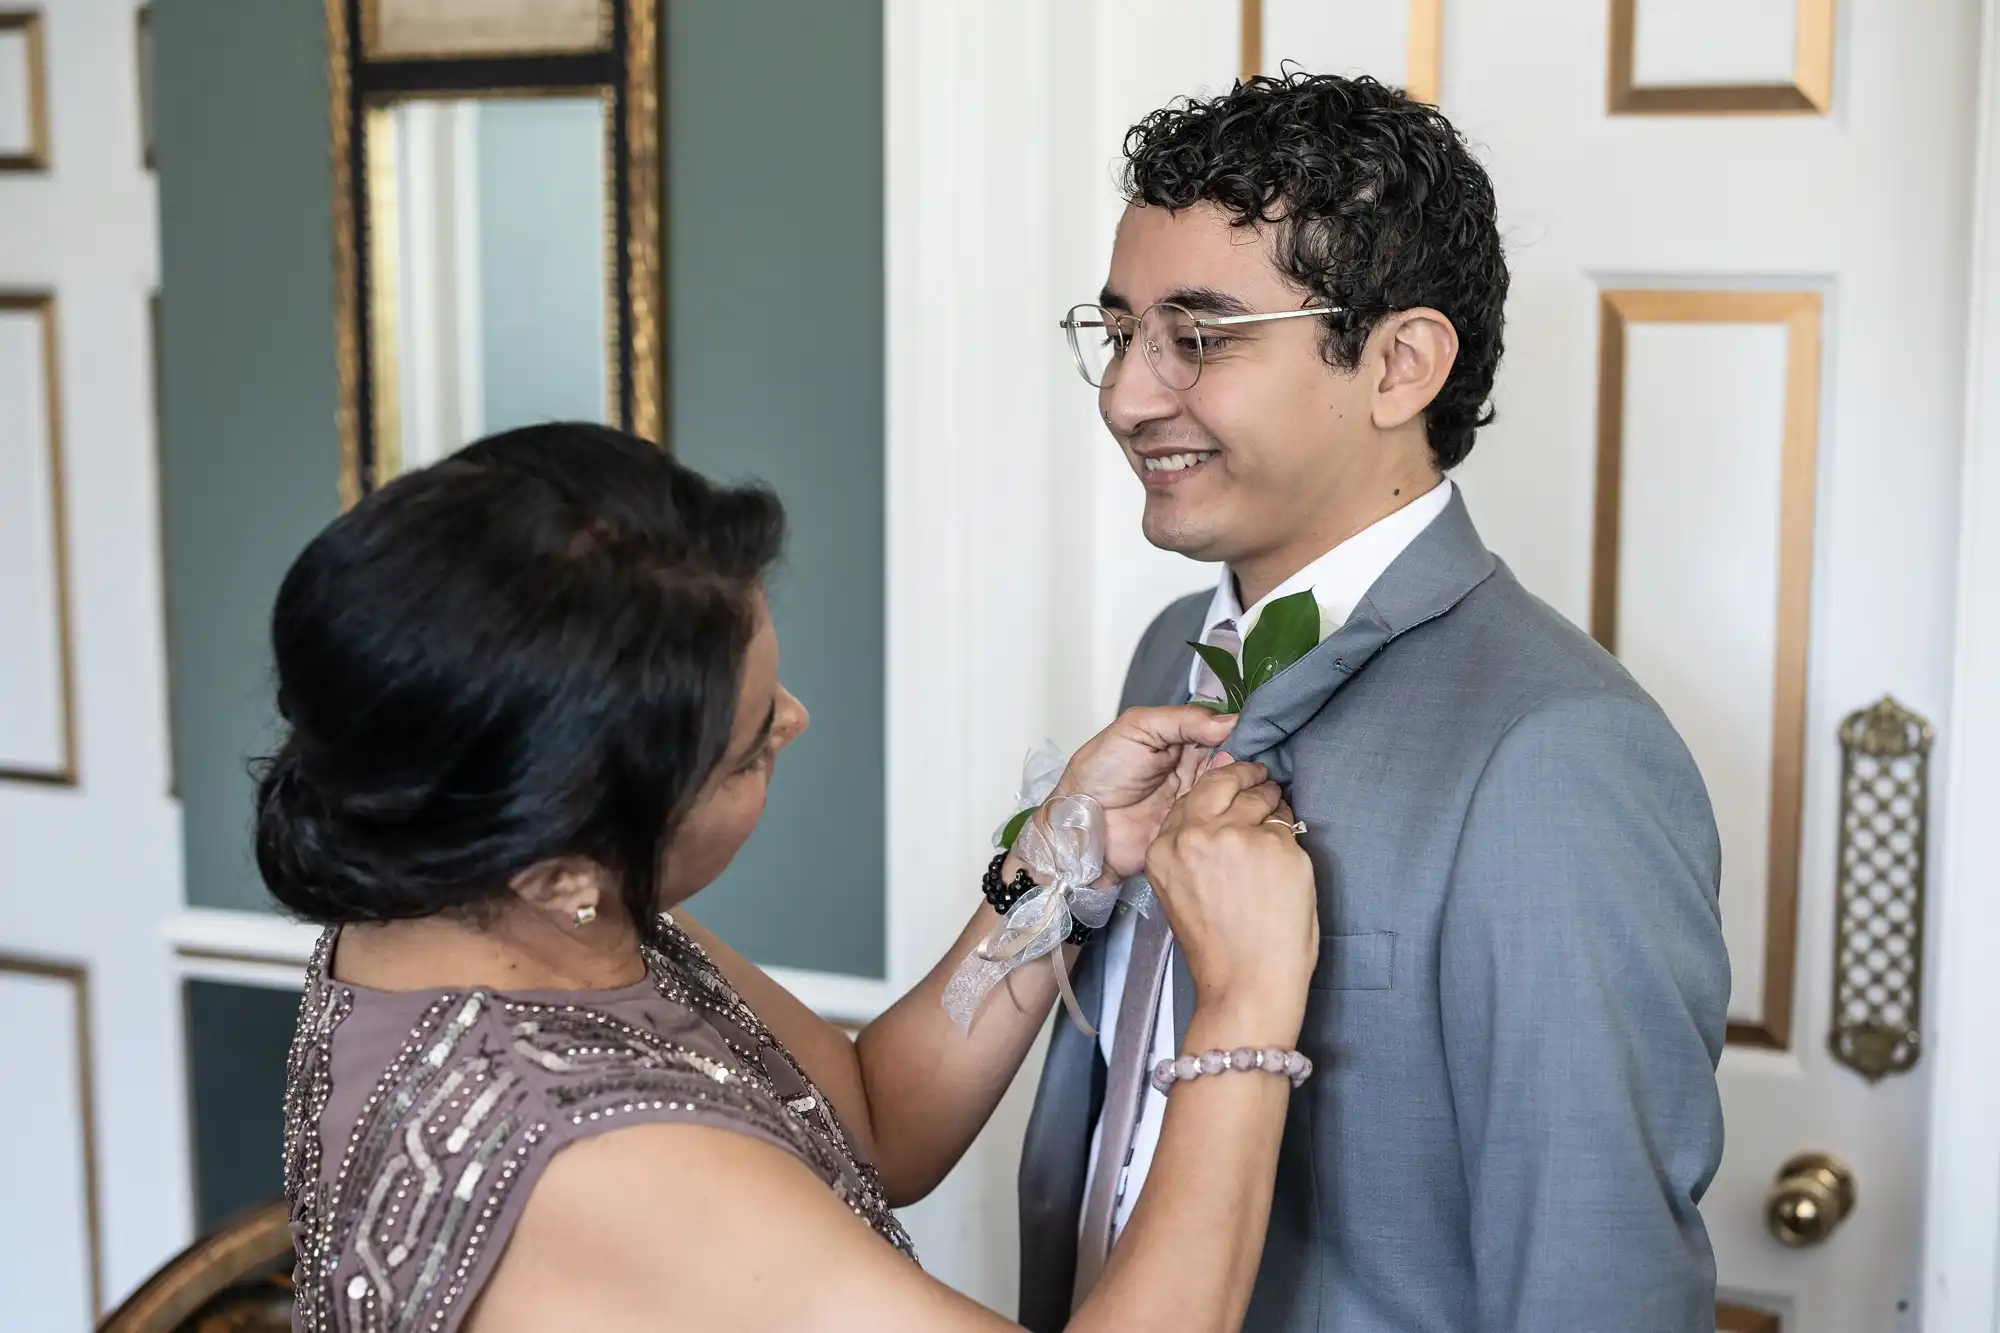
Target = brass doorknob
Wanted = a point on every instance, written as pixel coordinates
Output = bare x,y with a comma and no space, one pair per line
1813,1194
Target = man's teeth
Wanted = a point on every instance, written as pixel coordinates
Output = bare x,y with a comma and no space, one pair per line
1177,462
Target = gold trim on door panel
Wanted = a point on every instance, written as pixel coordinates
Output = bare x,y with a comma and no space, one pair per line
1423,67
1810,92
1799,312
43,306
78,980
35,157
1744,1319
1251,47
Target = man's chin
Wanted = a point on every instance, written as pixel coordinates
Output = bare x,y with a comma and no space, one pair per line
1170,527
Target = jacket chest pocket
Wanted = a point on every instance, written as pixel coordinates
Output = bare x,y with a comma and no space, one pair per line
1356,962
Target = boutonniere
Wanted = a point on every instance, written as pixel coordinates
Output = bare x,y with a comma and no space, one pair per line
1287,631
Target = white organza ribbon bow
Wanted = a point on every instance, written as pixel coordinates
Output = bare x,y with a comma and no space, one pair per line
1069,856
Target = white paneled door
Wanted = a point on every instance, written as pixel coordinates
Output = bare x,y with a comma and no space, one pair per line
1730,422
93,1145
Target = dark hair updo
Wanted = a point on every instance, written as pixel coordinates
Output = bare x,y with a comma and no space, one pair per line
529,650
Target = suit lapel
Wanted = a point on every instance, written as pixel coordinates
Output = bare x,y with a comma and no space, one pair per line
1433,575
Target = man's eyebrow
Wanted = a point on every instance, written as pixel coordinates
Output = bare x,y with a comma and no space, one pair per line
749,756
1111,300
1207,301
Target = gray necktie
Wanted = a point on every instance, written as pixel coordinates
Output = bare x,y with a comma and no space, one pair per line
1207,684
1124,1093
1132,1047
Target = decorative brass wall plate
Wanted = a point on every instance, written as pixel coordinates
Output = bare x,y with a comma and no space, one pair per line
1878,934
414,308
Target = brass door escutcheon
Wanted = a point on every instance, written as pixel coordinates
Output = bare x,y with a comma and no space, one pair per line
1812,1195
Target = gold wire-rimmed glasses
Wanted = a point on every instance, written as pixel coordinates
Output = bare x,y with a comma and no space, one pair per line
1173,337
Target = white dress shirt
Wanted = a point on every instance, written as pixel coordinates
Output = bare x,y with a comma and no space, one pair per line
1338,580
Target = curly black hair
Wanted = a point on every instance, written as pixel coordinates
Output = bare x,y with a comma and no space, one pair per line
1376,203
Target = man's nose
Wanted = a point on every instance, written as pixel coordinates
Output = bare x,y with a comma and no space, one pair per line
1135,395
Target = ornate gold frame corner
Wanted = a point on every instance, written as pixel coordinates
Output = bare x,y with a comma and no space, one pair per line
645,283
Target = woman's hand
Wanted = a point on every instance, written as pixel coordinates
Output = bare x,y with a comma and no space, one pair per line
1136,768
1239,895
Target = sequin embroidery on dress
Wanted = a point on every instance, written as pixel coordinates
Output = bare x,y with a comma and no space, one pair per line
397,1233
711,996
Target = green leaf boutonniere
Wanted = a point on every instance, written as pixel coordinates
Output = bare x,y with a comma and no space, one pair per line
1287,631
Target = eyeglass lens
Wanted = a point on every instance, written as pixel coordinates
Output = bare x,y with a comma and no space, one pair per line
1167,334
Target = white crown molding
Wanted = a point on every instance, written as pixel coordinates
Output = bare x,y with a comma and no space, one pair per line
264,949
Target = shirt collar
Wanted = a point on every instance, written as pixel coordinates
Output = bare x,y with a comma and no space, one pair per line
1340,578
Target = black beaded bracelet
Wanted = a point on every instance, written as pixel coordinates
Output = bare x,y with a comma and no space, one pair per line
1001,895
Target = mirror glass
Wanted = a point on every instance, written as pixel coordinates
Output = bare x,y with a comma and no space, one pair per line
490,269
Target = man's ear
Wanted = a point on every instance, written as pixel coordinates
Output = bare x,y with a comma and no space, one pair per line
1415,350
567,889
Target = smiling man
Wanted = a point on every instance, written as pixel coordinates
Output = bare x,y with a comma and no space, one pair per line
1522,990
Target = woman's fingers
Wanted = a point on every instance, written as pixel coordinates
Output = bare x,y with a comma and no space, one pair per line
1256,805
1181,724
1217,788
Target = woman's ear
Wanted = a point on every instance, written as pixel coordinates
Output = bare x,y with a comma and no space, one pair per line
568,889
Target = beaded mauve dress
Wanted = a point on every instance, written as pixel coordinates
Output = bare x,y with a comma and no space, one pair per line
417,1122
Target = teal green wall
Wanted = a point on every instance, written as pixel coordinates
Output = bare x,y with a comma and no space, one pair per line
774,132
250,459
238,1040
774,137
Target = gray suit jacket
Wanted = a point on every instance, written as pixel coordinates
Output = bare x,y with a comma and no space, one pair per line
1521,990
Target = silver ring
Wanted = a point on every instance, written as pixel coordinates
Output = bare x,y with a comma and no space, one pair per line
1299,827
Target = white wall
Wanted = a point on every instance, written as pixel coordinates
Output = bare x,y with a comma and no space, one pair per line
1018,580
1962,1218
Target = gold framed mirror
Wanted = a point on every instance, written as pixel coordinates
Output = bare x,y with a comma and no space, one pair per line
496,222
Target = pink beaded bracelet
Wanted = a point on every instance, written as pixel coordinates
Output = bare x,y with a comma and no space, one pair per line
1291,1064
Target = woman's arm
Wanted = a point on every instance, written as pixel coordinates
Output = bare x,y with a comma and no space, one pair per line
671,1227
932,1088
914,1089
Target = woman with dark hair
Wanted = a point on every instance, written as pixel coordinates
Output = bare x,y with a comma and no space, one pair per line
533,705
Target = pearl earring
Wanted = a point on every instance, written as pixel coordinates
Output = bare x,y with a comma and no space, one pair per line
584,916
